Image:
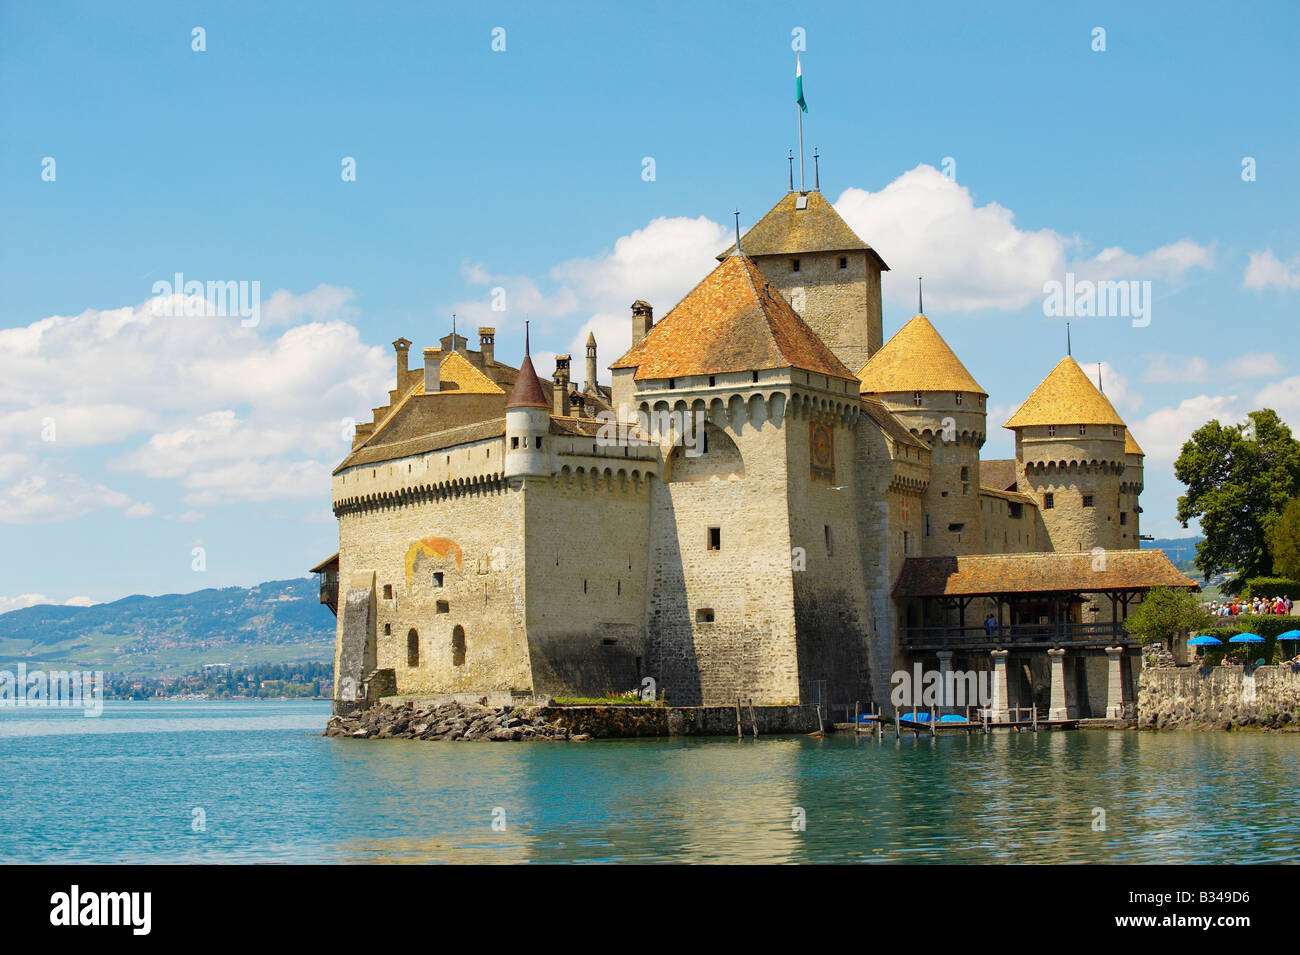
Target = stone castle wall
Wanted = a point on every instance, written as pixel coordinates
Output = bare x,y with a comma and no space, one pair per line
1218,698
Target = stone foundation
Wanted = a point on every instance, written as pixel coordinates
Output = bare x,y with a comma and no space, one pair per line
1219,698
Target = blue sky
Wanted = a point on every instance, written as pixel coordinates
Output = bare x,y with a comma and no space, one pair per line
522,169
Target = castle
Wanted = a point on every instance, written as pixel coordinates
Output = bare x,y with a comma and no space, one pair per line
770,502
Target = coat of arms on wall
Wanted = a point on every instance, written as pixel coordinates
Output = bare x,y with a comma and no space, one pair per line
822,452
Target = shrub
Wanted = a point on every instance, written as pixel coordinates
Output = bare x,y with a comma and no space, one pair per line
1271,587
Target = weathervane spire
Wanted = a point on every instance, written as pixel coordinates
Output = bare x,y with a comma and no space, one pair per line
1068,352
738,251
920,303
817,177
790,160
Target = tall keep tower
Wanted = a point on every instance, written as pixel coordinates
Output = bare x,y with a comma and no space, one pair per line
919,378
1071,455
820,266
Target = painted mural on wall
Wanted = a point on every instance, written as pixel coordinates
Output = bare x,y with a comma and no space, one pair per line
434,549
822,452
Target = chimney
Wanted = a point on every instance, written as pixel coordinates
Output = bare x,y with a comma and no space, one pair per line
432,369
590,386
486,338
643,319
561,390
402,347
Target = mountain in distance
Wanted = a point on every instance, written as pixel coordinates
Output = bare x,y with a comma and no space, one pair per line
280,621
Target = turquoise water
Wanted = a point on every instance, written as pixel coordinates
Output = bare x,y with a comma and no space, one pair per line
124,787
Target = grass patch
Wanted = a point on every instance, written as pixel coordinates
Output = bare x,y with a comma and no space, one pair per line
604,701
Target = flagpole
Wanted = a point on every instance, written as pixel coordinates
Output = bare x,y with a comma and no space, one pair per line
799,110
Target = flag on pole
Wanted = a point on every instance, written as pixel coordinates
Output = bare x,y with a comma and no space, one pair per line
798,84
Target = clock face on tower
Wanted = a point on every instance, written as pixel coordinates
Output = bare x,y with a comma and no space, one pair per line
822,452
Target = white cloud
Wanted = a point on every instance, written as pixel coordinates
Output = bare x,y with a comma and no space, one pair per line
1192,369
975,257
1266,270
44,497
211,399
1163,433
35,600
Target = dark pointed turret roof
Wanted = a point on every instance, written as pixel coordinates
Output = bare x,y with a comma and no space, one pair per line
528,392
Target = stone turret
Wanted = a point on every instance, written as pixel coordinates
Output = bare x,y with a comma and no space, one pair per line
590,386
403,349
919,378
1070,455
528,425
487,337
1130,488
560,393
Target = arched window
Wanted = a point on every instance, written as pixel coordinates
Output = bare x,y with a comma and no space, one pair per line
412,649
457,646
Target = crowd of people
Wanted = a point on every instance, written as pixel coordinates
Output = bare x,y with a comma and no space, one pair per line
1265,606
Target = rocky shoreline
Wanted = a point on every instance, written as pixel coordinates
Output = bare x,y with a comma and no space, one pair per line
451,721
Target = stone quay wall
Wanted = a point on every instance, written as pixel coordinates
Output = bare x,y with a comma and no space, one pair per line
615,722
1219,697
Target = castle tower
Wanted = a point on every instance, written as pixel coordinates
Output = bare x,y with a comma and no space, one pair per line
528,425
1130,488
643,319
919,378
1070,455
827,274
560,391
590,386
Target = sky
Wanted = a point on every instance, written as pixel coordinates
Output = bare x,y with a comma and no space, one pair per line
376,168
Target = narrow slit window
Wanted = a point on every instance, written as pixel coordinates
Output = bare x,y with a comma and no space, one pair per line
715,538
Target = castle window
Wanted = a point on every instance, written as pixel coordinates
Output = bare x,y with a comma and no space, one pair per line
981,400
956,396
458,646
907,538
711,381
956,528
755,377
619,592
388,591
1051,430
830,546
1087,500
715,538
514,443
672,382
609,642
1049,501
794,265
388,629
927,525
437,578
1114,431
1123,517
1083,429
916,398
1015,510
965,474
412,649
442,606
539,442
704,615
844,261
584,586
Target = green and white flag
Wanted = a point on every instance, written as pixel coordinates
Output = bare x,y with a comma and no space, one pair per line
798,84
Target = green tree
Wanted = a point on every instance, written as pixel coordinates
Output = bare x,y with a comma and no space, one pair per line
1239,477
1284,541
1164,612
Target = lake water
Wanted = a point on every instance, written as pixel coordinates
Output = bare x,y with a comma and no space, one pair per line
125,787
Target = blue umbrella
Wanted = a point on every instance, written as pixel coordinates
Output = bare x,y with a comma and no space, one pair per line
1246,638
1290,635
1205,640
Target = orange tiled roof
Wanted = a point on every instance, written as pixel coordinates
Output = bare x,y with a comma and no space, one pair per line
1066,396
1038,573
455,373
731,321
916,358
789,230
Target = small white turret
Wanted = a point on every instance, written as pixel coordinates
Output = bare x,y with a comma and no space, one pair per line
528,424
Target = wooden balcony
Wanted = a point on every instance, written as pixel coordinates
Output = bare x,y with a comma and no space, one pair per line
1020,637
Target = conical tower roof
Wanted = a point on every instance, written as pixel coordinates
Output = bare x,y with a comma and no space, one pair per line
1066,396
732,321
788,229
1131,446
528,391
916,358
